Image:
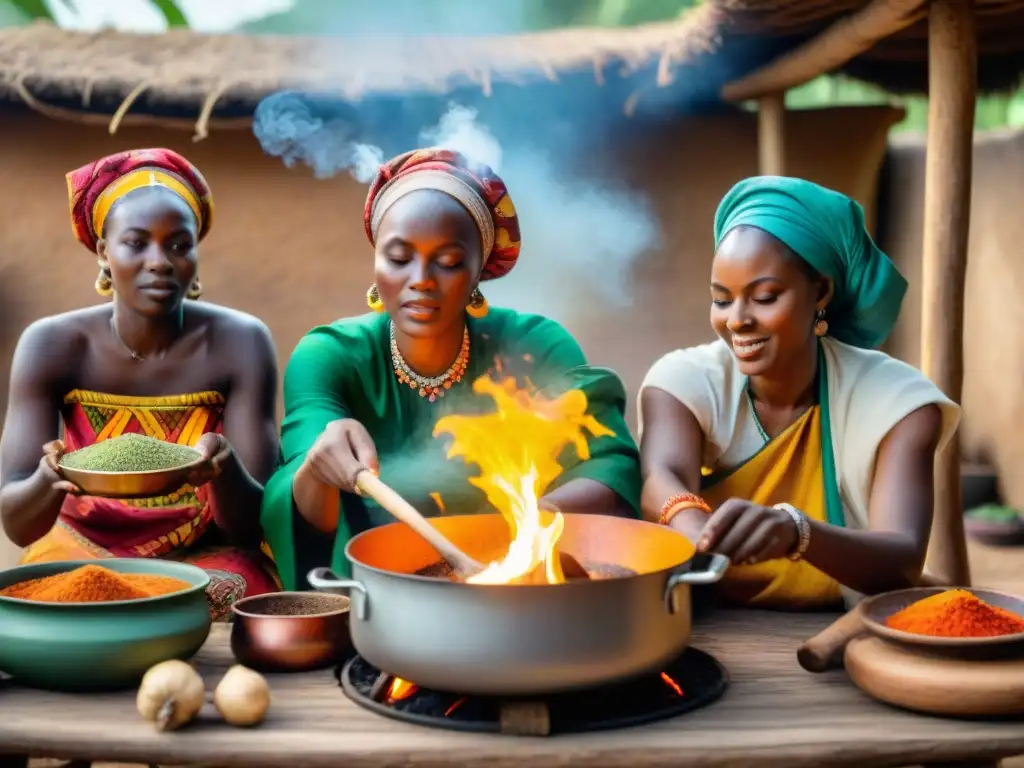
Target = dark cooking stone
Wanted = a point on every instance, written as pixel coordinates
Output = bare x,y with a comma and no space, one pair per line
294,605
693,680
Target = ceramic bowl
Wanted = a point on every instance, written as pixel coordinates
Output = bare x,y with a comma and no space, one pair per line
100,646
880,607
130,485
291,631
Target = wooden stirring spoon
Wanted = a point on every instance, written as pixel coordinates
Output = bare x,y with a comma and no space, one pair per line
462,564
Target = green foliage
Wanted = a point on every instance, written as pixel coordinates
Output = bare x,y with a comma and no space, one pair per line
990,112
171,12
15,12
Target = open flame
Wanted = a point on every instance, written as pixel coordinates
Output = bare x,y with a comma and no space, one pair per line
517,447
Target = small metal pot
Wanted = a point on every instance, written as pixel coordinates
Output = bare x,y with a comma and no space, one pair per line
521,639
290,631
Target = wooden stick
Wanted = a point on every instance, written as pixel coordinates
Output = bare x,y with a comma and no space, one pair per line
953,75
825,650
369,484
771,134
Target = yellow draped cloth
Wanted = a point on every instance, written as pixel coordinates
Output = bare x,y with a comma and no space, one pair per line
788,469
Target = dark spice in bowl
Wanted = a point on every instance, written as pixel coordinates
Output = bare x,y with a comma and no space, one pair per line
295,604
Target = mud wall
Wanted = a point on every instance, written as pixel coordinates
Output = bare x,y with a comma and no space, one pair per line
994,314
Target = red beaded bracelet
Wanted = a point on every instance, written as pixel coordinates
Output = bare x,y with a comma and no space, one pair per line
679,502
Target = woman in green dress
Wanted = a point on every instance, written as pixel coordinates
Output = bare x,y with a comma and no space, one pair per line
365,392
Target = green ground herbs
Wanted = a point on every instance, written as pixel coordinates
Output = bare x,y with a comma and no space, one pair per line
130,453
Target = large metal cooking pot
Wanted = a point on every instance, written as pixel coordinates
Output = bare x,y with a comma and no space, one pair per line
521,639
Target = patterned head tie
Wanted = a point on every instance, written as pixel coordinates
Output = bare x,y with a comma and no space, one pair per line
95,187
476,187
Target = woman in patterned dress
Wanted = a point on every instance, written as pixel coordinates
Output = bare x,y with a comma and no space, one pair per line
148,362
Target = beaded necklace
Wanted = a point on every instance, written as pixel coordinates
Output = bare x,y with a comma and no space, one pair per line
430,387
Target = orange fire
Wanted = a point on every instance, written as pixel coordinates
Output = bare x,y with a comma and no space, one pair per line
400,689
517,447
672,684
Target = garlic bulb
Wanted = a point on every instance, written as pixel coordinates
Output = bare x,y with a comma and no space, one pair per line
242,696
171,694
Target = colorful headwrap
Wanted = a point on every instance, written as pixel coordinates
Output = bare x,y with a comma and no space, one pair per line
480,191
94,188
826,229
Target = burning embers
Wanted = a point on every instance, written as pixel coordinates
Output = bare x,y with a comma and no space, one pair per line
695,679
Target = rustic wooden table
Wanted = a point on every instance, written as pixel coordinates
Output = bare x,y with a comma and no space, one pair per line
773,714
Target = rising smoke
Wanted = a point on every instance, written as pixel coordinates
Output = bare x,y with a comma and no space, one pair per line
583,234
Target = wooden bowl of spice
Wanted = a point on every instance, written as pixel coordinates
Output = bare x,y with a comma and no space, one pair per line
130,466
965,621
291,631
99,624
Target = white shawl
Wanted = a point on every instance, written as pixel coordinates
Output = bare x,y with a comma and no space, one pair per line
869,393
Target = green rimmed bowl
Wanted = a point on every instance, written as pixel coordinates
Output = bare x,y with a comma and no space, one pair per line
100,646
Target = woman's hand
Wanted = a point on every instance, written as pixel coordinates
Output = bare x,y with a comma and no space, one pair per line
49,465
216,451
748,533
343,450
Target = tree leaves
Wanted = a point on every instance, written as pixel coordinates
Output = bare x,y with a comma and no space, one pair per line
171,12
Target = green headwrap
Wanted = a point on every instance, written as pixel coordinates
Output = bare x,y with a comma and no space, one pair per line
826,229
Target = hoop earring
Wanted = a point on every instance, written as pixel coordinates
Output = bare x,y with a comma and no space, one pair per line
820,323
477,306
104,284
373,299
195,290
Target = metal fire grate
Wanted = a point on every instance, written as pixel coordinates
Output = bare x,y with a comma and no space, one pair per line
693,680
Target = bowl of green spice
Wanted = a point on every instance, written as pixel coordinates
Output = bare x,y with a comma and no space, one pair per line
130,466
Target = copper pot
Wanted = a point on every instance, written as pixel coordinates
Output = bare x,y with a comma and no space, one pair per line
522,639
290,631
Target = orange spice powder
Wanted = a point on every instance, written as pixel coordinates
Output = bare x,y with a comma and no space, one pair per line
94,584
955,613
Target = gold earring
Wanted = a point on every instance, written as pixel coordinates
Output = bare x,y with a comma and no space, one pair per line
477,306
104,285
820,323
373,299
195,290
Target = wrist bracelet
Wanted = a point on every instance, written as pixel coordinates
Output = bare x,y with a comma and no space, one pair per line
803,528
676,504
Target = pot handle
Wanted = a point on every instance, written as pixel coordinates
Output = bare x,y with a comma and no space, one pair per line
710,573
324,580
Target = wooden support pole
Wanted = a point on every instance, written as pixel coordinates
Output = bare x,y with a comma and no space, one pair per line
771,134
952,87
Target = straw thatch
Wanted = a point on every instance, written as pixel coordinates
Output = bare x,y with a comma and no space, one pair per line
40,63
900,62
110,76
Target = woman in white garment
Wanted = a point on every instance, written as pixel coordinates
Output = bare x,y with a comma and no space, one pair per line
790,444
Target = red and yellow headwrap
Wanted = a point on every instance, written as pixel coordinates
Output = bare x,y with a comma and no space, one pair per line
479,189
94,188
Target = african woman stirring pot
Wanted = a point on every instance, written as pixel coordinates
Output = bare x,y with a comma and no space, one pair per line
365,392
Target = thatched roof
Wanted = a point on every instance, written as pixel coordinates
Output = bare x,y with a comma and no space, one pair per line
220,77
